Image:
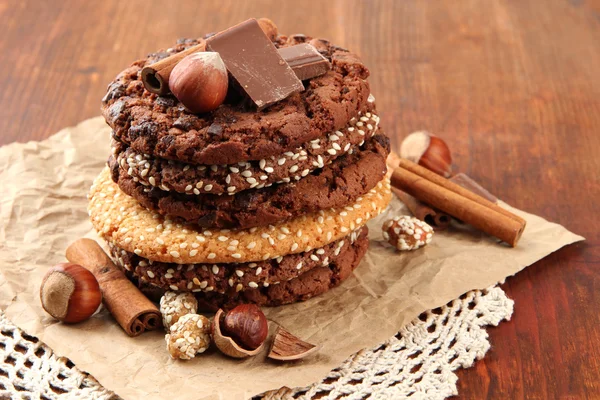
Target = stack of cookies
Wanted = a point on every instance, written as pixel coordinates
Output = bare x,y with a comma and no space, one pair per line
240,205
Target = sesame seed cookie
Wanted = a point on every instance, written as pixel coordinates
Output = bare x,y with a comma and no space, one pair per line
120,219
222,278
288,167
311,283
161,126
336,185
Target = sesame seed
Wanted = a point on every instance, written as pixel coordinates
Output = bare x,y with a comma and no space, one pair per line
231,189
251,181
320,251
208,187
293,169
223,238
332,152
230,281
193,253
231,248
281,161
314,258
252,265
199,185
329,235
235,170
281,236
128,240
344,229
236,255
203,284
315,146
279,259
211,256
269,170
173,287
150,274
228,179
285,230
294,246
305,172
347,147
361,132
137,251
351,129
188,188
168,276
262,164
239,273
174,253
263,177
343,213
258,271
152,181
239,287
333,138
246,174
253,285
200,239
159,240
299,266
215,269
336,146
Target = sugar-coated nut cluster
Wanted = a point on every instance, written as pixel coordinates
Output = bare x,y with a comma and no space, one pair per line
174,305
407,233
189,336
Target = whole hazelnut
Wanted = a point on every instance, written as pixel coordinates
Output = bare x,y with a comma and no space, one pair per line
269,28
200,81
70,293
240,332
428,151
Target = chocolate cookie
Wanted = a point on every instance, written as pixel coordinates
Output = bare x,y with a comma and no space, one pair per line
233,133
221,278
309,284
217,179
336,185
120,219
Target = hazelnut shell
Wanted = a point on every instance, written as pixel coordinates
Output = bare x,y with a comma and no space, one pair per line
226,344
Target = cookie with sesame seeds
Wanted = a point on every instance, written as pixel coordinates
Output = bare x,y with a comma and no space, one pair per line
309,284
235,131
120,219
290,166
221,278
336,185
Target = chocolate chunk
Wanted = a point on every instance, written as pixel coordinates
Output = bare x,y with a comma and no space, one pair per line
305,60
254,62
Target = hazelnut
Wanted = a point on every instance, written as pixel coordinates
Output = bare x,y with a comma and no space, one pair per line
269,28
407,233
240,332
428,151
70,293
200,81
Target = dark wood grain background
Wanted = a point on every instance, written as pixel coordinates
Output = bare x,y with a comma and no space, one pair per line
513,86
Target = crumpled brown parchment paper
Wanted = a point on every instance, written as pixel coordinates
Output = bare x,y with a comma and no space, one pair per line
43,187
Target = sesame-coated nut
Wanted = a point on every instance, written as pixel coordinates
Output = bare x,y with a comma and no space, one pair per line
189,336
407,233
175,305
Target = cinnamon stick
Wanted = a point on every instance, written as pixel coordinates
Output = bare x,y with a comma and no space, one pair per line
132,310
458,202
437,219
156,76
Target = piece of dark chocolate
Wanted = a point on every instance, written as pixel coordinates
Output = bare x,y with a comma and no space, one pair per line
252,59
305,60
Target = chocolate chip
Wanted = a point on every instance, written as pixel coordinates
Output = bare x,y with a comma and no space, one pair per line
166,101
215,129
184,122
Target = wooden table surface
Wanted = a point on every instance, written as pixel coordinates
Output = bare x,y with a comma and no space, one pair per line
513,86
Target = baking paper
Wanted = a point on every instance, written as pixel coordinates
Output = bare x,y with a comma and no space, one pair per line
43,187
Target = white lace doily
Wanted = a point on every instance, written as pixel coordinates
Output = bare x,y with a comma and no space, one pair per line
418,363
